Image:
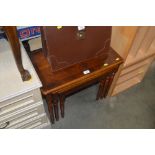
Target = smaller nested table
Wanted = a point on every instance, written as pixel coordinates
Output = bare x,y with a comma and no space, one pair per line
57,85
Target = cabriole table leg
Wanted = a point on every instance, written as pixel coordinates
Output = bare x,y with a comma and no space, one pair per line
11,33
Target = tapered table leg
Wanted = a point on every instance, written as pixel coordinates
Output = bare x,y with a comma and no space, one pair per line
56,109
100,90
107,85
62,105
11,33
50,107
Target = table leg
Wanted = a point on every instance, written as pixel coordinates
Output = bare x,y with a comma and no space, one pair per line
26,45
100,90
50,107
56,109
62,105
107,85
12,36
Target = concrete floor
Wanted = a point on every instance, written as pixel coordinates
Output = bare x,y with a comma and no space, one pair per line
133,108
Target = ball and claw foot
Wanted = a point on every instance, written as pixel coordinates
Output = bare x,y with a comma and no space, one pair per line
25,75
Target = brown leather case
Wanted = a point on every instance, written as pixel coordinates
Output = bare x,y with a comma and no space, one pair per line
67,46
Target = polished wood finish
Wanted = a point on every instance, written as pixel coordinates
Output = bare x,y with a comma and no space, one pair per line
67,78
12,36
67,81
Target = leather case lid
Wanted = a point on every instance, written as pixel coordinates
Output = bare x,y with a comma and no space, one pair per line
67,46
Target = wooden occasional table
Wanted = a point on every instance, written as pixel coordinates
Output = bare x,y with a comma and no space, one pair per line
57,85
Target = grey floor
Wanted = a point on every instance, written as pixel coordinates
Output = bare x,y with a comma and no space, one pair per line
133,108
